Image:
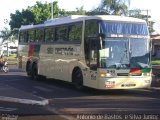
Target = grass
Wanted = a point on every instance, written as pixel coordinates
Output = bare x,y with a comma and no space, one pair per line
155,61
11,56
11,59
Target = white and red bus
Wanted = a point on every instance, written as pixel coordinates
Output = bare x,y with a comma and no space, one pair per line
101,52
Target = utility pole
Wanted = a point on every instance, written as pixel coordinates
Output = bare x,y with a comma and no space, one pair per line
51,10
147,14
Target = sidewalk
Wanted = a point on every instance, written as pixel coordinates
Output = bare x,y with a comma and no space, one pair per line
155,88
11,94
156,70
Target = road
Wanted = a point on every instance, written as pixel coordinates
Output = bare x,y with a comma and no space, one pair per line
20,96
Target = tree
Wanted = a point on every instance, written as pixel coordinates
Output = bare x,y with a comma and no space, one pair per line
34,15
21,18
137,13
5,34
80,11
41,12
112,7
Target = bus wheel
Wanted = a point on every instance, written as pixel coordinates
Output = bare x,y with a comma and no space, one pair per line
34,72
28,69
77,79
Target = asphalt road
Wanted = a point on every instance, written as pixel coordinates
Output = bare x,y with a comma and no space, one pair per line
64,102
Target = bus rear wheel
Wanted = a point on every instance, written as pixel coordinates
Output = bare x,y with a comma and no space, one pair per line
77,79
34,72
28,69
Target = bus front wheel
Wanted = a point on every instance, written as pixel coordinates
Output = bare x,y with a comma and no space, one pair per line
77,79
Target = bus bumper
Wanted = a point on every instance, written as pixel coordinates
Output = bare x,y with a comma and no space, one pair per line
124,83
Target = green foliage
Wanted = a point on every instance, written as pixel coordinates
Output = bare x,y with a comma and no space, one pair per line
5,34
80,11
112,7
39,13
155,62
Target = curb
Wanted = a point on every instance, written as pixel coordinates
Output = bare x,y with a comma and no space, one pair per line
24,101
155,88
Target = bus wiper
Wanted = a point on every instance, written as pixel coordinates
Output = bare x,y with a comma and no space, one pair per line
121,66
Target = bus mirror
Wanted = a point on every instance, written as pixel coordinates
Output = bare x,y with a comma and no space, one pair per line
150,45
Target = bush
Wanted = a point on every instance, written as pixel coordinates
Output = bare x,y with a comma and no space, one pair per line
155,62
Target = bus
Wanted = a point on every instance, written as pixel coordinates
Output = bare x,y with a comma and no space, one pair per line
100,52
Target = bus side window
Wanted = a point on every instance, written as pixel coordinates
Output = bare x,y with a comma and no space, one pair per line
23,37
39,35
49,34
75,32
31,34
61,33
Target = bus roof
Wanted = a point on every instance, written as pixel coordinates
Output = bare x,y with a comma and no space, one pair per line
77,18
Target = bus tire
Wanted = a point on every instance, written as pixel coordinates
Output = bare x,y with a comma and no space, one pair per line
34,75
77,78
28,68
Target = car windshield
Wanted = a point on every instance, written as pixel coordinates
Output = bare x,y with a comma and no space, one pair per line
124,53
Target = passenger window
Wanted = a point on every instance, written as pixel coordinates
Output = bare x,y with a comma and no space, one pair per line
39,35
61,33
49,34
75,32
23,37
31,36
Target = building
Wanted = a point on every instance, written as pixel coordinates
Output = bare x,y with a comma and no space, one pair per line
155,46
8,47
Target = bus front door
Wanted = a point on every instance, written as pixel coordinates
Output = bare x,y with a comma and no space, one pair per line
93,63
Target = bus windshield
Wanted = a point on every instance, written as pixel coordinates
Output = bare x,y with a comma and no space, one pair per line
125,53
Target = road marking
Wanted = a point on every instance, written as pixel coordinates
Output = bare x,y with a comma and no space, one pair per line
24,101
67,117
7,109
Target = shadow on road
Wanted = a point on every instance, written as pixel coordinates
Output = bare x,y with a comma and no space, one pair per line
66,99
58,89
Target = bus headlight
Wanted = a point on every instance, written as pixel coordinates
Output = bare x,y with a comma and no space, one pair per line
105,75
147,81
146,74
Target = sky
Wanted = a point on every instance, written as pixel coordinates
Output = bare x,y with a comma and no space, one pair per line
10,6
